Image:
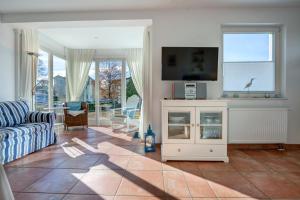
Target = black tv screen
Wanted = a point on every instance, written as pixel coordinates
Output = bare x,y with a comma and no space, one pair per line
190,63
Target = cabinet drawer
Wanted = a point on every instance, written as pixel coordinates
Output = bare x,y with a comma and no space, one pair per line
194,150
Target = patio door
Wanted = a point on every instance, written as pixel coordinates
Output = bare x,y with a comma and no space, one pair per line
106,89
111,88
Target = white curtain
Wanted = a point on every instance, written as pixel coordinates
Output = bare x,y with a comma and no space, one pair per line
146,80
26,42
78,65
5,190
138,61
134,60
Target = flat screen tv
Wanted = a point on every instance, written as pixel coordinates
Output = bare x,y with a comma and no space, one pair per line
190,63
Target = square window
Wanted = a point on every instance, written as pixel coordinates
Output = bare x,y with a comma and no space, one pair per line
249,62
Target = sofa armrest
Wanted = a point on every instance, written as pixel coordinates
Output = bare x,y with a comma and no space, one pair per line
37,117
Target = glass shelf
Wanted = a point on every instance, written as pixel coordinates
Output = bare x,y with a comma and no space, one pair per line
211,132
210,124
179,126
211,118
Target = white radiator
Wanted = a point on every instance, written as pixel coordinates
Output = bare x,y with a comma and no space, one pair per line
258,125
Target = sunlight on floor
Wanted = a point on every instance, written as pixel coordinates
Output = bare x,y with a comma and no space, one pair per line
99,164
71,150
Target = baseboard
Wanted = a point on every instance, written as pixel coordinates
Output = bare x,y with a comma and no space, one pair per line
263,146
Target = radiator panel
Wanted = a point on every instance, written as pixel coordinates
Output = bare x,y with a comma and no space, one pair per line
257,125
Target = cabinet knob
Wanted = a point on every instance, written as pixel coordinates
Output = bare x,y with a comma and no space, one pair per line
193,125
179,149
211,150
198,125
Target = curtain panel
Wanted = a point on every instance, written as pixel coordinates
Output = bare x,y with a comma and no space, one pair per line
78,65
138,61
26,47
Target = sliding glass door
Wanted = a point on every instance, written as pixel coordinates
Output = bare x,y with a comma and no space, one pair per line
40,89
50,88
108,87
59,81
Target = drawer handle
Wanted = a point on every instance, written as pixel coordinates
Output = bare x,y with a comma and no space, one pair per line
211,150
179,150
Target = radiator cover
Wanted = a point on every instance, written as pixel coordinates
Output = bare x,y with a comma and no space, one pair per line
258,125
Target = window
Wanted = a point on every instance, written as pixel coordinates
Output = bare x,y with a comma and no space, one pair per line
42,79
59,81
110,81
249,61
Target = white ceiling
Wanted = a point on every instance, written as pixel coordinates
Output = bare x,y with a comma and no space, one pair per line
23,6
96,37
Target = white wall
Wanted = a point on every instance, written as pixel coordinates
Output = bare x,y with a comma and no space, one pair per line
7,63
202,27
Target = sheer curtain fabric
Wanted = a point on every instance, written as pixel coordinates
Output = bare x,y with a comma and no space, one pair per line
138,61
26,41
78,65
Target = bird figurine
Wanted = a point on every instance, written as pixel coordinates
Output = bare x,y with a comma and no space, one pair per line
248,85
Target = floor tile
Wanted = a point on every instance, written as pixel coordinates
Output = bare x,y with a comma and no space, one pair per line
143,163
294,153
293,159
21,178
87,197
57,181
207,199
175,184
142,183
112,162
274,185
80,162
215,166
103,182
96,163
246,198
189,166
257,154
231,184
237,153
293,177
121,150
198,185
39,159
282,165
171,165
136,198
247,164
38,196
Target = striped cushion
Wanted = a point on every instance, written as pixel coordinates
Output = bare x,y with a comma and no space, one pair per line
36,117
23,129
19,141
13,113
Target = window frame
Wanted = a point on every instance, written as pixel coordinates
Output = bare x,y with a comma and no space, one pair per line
51,55
276,56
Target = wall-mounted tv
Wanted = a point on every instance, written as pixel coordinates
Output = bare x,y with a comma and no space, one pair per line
190,63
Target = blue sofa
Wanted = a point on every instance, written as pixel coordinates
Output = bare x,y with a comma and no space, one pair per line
23,132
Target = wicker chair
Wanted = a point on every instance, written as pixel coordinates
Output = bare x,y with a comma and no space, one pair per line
78,120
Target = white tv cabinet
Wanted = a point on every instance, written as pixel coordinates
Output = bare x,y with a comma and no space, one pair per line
194,130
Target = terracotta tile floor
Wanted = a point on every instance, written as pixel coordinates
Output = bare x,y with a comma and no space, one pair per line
95,164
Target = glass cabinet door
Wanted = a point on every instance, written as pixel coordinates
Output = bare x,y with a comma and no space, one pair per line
210,126
180,125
